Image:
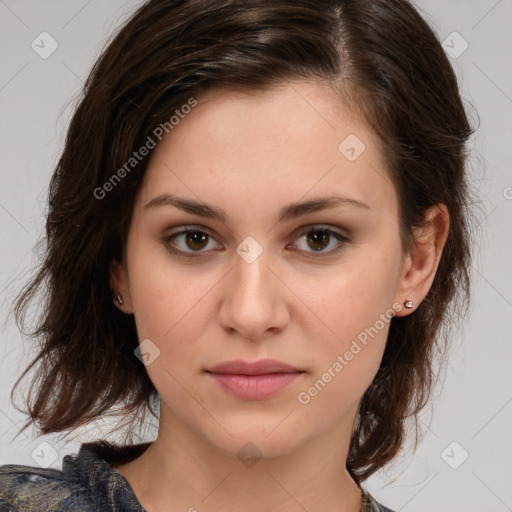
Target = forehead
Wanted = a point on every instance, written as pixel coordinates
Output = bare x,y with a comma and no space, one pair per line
272,146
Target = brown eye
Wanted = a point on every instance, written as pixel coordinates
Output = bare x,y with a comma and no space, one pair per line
318,239
189,241
196,240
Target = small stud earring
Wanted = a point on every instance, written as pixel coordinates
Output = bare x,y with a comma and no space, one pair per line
409,304
119,299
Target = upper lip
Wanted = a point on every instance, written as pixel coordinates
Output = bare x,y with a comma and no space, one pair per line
260,367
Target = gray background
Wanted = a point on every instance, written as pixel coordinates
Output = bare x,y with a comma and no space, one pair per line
472,409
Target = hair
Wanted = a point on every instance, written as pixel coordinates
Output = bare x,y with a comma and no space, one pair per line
379,56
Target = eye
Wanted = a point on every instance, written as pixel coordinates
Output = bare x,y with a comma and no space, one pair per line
195,240
319,238
191,238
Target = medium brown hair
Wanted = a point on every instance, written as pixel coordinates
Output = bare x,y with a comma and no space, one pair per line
379,55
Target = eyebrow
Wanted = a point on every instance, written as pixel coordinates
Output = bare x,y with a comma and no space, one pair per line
289,212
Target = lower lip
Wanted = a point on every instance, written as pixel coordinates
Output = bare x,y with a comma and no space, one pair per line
255,387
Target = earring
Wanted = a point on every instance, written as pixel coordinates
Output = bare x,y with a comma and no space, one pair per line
408,304
119,299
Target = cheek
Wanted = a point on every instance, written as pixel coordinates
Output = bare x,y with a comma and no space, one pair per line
162,291
346,359
353,312
351,298
170,310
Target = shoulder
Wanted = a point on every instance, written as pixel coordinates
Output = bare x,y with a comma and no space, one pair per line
86,482
377,507
31,489
370,504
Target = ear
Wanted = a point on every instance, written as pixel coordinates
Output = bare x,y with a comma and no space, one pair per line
120,285
420,265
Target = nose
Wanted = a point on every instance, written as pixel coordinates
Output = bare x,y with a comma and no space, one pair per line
254,299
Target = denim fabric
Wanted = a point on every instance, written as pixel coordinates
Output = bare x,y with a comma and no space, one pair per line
86,483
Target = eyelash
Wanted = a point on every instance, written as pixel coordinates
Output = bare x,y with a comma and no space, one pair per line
195,254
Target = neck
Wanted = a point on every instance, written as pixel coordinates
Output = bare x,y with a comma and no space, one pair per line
182,469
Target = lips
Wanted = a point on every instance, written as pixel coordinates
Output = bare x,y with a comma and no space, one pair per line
256,380
260,367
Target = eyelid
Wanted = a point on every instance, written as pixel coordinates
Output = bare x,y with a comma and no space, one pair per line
322,227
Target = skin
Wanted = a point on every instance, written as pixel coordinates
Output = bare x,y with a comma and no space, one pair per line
251,154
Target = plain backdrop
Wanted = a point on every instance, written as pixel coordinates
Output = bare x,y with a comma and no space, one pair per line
463,462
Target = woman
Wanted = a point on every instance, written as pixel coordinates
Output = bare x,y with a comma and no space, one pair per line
259,219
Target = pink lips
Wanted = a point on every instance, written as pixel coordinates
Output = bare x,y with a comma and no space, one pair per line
254,380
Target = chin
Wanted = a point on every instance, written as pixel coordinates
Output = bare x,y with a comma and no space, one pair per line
251,439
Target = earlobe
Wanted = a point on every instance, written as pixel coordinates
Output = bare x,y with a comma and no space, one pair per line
119,286
420,265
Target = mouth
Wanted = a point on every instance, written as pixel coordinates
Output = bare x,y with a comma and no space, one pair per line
254,380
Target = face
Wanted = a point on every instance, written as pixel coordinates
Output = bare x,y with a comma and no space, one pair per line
312,286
